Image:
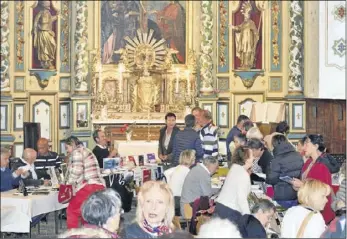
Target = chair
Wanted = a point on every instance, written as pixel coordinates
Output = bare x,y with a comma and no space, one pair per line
177,223
188,214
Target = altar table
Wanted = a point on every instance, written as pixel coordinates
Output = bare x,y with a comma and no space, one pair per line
140,147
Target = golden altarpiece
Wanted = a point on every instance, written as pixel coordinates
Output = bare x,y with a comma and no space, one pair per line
108,63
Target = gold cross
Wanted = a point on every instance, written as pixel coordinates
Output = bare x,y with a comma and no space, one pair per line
243,109
263,82
47,111
37,111
298,116
223,114
19,115
64,115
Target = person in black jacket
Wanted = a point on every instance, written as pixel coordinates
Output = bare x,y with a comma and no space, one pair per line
166,138
101,150
286,162
253,226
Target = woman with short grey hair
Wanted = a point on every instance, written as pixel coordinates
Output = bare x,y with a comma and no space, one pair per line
101,213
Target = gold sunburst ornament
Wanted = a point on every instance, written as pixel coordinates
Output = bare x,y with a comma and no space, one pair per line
144,52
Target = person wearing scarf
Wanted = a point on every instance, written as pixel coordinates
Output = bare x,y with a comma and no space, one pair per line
155,211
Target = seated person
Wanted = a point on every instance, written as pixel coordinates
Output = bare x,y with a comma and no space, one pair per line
254,225
45,159
312,197
175,176
30,177
100,150
198,181
101,212
9,180
232,201
219,228
154,212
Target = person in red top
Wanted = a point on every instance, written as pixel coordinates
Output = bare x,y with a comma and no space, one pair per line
314,168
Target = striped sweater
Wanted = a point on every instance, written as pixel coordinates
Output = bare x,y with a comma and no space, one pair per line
209,139
83,169
46,161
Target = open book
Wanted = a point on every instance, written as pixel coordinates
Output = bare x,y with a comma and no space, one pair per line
267,112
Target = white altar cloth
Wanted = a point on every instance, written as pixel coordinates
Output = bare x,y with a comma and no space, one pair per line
140,147
18,210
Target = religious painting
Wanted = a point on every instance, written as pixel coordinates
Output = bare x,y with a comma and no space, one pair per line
44,36
82,115
247,35
110,87
120,19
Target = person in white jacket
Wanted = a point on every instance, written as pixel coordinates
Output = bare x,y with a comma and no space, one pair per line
232,201
305,220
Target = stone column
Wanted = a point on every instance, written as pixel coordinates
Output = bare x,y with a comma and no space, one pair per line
81,55
296,78
5,47
206,63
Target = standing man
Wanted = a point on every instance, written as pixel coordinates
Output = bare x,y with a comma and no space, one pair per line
236,130
209,135
45,159
187,139
196,111
101,150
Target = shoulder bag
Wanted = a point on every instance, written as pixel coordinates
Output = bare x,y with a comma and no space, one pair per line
304,224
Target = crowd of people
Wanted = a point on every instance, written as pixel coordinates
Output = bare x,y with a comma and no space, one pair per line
301,178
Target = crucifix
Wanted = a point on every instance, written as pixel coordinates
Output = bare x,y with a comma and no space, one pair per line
243,109
37,111
47,111
19,116
298,116
223,115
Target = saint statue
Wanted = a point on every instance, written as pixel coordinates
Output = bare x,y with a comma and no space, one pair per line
246,38
44,37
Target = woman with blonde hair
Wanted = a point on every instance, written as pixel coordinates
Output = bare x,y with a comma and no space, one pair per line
155,211
175,176
305,220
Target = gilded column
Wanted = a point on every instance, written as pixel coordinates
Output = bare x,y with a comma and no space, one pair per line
5,47
206,63
295,83
81,56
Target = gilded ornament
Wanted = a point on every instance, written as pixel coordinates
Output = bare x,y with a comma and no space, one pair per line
222,33
275,8
65,30
19,32
5,47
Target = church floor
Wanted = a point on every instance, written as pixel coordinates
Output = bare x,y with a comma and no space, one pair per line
47,230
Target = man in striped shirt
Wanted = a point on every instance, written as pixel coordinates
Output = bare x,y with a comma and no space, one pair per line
209,135
45,159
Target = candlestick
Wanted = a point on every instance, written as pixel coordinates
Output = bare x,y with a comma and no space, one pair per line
177,79
121,70
188,81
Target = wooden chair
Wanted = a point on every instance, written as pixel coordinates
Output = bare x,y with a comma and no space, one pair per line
177,223
188,214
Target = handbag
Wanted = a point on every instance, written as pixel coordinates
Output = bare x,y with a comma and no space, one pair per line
304,224
65,191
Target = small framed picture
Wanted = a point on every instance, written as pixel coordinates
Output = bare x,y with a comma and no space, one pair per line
4,118
62,147
81,115
207,106
298,116
19,115
64,115
223,115
18,149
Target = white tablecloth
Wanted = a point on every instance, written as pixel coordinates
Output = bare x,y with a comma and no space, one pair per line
139,147
22,209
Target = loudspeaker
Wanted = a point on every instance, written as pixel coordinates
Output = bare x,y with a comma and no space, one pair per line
32,133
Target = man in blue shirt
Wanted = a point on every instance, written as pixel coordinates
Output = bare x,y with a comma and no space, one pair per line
9,179
236,130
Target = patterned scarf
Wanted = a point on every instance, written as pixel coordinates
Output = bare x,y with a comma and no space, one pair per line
158,231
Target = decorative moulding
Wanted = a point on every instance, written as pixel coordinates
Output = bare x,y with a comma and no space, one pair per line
43,77
248,77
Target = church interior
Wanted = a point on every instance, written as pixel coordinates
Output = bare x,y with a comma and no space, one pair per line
69,68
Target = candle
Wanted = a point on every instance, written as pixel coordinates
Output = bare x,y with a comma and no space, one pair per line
177,79
121,70
188,81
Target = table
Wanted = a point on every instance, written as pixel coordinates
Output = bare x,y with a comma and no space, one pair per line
19,209
139,147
